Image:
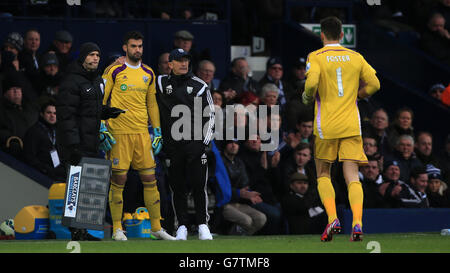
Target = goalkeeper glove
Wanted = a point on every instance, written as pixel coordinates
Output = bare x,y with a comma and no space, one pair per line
157,140
106,139
306,99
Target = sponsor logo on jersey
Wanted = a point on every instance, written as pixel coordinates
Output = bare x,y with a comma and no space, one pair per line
123,87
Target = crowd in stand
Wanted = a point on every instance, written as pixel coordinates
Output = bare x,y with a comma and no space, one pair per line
272,192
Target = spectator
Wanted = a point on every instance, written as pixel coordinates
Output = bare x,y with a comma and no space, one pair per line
185,40
259,174
419,182
444,160
40,147
435,40
302,206
29,57
163,64
16,116
371,179
270,94
247,97
405,156
13,43
298,77
62,47
379,124
436,91
303,134
370,145
10,68
445,97
238,210
437,191
391,174
218,98
402,125
300,162
274,74
424,149
398,194
238,80
50,77
205,71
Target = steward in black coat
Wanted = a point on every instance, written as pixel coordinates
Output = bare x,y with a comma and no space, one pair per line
79,106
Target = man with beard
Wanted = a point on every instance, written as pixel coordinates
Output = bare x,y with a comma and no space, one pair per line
131,86
80,110
40,147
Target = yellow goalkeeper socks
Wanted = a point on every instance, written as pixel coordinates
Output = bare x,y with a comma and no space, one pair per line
116,204
356,197
327,196
153,204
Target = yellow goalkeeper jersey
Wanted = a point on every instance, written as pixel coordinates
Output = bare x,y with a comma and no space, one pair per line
339,71
131,88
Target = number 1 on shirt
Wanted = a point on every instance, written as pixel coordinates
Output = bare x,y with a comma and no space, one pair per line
339,82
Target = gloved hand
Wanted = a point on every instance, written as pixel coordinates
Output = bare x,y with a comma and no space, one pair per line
157,140
307,99
110,112
106,139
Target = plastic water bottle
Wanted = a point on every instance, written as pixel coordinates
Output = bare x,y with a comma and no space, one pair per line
445,232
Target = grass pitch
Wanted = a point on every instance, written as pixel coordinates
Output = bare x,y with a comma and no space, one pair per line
380,243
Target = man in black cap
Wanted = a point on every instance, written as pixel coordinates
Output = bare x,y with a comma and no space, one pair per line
186,150
62,46
80,111
302,207
50,77
185,40
16,116
274,74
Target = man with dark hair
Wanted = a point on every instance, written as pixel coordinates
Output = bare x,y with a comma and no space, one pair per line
80,110
186,151
40,147
334,74
238,210
131,86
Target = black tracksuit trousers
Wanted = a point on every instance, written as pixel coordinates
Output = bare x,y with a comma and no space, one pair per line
188,170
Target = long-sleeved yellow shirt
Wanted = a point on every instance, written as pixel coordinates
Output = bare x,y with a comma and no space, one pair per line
333,76
131,88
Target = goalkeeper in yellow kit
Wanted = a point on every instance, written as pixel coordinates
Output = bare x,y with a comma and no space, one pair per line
131,86
334,74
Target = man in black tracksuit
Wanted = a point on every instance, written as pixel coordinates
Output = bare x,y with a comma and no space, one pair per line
79,106
185,148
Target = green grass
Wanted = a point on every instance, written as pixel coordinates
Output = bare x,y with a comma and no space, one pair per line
388,243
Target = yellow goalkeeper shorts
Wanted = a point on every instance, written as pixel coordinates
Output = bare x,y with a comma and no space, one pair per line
134,150
348,149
